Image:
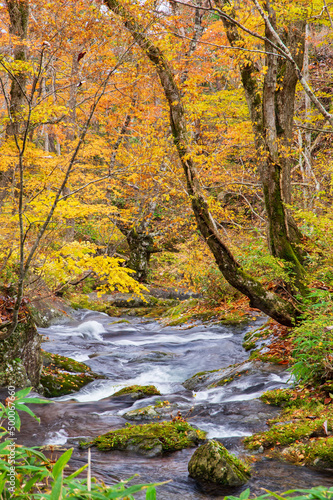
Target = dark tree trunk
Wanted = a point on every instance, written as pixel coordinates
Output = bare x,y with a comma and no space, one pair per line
141,246
140,240
270,303
272,111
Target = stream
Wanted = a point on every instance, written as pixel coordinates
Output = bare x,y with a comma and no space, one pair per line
144,352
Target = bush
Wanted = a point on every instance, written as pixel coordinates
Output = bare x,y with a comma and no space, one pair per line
313,350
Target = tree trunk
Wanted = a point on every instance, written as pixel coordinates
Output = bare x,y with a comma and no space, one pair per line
141,246
272,121
276,307
18,11
141,243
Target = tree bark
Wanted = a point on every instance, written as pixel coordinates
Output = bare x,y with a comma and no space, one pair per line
141,243
271,112
18,11
270,303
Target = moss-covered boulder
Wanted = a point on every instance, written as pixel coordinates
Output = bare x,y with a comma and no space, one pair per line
61,375
137,392
212,462
150,439
20,354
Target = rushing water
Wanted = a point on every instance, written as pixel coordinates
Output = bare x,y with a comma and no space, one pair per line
144,352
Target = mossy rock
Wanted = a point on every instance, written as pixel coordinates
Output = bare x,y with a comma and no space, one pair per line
150,439
20,353
213,463
138,391
152,412
84,302
198,380
64,363
61,375
279,397
62,383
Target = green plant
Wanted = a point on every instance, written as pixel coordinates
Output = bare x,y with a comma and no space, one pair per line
313,348
317,493
32,475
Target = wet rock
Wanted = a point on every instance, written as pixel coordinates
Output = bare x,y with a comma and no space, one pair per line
223,376
153,356
150,439
62,375
162,410
45,308
212,462
137,392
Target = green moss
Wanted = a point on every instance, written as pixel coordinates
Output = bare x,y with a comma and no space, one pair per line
61,375
277,397
119,321
201,374
317,453
83,302
171,436
212,462
59,384
224,381
235,318
67,364
287,433
145,390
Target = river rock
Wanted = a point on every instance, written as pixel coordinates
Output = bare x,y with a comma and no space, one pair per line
212,462
150,439
221,377
151,412
134,392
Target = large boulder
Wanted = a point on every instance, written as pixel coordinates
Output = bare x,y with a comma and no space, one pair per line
150,439
20,354
213,463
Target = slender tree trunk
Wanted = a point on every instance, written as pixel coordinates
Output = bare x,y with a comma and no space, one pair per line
271,112
273,305
18,11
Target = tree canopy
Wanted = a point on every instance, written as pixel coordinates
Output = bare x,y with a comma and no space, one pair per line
156,128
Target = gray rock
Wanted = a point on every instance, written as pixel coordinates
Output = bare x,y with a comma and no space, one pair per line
149,447
150,412
212,462
215,378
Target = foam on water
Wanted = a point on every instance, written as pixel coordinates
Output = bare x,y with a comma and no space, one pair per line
163,378
95,391
57,438
174,339
91,330
221,431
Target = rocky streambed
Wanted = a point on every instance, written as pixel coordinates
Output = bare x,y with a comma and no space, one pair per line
190,367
